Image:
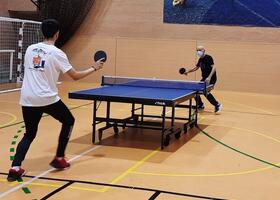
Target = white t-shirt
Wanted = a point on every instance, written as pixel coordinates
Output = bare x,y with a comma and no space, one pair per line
42,66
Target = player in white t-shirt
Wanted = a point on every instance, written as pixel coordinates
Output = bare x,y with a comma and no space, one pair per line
43,63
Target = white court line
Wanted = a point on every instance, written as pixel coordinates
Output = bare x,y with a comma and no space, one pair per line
11,90
45,173
53,169
18,89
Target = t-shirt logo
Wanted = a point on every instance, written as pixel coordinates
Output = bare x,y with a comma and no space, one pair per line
38,59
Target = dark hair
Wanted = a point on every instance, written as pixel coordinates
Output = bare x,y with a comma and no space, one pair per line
49,28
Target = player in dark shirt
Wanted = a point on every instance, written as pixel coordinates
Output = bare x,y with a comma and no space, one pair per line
209,75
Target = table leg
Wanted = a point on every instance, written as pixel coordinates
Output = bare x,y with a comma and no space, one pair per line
94,121
196,112
163,138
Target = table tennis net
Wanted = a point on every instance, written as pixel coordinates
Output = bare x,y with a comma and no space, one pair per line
153,83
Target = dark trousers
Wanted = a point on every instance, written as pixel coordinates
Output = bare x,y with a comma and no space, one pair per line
32,117
208,96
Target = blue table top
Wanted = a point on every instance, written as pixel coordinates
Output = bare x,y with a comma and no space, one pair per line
137,92
146,91
131,94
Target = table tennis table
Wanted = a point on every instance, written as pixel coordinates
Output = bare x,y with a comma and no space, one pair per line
141,92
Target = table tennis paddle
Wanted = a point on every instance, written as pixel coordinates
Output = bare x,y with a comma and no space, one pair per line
182,70
100,56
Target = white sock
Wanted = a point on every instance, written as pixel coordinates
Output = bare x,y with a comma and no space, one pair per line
16,168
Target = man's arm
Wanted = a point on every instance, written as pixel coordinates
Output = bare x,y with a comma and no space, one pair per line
77,75
194,69
191,70
207,80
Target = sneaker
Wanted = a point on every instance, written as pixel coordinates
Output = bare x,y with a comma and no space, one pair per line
201,107
60,163
15,175
218,108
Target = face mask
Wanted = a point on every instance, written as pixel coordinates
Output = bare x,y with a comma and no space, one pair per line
200,53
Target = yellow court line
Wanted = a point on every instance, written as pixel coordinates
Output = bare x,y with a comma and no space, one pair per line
244,105
131,169
14,118
205,175
104,188
139,163
55,186
136,165
217,174
86,189
247,130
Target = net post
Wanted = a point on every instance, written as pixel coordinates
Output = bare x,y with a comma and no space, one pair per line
102,80
11,65
19,67
12,40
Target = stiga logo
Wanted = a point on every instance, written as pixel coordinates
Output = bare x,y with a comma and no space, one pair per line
160,103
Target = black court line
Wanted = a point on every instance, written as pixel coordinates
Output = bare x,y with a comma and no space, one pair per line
57,190
122,186
155,195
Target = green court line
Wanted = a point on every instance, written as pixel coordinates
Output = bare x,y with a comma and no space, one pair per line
12,158
236,150
26,190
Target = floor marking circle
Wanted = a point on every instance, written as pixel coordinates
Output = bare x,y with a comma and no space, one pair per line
14,118
250,171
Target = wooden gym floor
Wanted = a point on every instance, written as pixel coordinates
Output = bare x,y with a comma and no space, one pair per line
235,156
